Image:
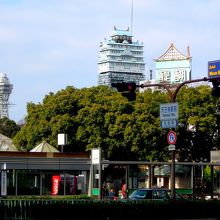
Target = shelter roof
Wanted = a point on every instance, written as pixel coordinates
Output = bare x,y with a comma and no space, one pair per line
6,144
44,147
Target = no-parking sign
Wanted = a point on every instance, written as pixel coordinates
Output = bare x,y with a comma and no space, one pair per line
171,138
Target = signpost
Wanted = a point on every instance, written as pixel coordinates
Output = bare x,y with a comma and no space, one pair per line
169,119
96,156
169,115
4,180
171,139
62,140
96,160
166,122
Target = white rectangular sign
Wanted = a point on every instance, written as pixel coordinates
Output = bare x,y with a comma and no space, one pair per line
96,156
172,147
62,139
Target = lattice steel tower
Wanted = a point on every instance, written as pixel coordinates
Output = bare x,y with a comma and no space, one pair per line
5,91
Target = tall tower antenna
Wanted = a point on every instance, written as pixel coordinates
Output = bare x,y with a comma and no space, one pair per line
5,91
131,15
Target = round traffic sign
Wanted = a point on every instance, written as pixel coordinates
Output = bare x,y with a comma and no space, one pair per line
171,137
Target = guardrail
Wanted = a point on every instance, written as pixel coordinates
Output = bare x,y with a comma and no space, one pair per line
95,209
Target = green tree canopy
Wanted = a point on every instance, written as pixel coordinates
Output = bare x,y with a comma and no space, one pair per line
8,127
198,123
101,117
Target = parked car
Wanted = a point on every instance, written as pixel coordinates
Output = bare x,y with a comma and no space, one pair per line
153,193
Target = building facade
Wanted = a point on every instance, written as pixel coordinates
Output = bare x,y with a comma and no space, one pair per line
173,66
121,59
44,173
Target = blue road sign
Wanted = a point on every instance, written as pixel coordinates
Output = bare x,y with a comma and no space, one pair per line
169,115
214,69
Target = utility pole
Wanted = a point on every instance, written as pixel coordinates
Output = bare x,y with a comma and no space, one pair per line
173,95
129,90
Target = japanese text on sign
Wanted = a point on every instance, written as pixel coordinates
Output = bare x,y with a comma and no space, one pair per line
169,111
169,115
169,123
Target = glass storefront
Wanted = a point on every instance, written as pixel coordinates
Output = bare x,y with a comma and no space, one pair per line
46,182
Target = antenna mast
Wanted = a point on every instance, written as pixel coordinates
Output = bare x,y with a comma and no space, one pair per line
131,15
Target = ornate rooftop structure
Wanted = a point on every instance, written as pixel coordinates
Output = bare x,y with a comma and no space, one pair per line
173,66
121,59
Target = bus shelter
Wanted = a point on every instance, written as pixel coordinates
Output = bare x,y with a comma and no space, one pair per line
43,173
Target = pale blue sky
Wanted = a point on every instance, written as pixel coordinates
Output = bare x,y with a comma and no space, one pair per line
48,45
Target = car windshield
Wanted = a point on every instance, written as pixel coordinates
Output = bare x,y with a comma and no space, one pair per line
140,194
153,194
177,195
160,194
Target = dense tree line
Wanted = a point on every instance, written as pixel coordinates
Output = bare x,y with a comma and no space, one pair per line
101,117
8,127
